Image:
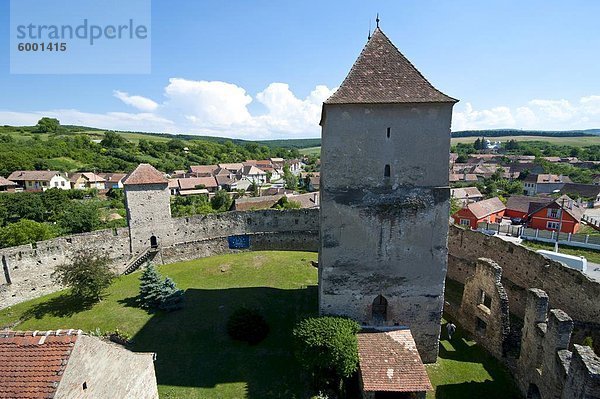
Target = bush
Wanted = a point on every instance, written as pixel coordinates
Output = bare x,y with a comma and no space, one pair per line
327,347
156,293
247,325
25,232
88,275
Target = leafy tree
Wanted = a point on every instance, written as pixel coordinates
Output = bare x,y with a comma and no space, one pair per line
25,232
285,203
88,275
291,181
455,205
327,348
150,288
48,125
171,297
79,217
113,140
221,201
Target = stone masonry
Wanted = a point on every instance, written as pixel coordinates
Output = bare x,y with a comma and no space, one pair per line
484,307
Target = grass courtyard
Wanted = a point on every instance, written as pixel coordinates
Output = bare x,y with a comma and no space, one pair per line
196,358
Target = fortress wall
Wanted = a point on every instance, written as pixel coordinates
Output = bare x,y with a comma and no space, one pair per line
28,268
568,289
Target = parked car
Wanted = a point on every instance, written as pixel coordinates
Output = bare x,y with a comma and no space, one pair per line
517,220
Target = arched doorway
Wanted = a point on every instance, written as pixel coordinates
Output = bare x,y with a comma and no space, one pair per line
153,242
379,310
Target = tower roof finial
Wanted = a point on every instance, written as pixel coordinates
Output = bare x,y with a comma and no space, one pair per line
369,37
377,20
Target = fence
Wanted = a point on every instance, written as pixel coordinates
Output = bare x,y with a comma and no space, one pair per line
508,229
575,240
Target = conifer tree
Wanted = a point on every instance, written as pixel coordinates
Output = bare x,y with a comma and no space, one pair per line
171,297
150,288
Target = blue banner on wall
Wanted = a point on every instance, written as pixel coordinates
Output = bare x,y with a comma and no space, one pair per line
239,242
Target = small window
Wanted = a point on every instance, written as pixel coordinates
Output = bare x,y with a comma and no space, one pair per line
389,132
481,326
552,225
387,171
554,213
485,299
465,222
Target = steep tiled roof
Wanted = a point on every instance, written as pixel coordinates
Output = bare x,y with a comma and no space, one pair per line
389,361
570,207
33,175
486,207
145,174
382,75
32,363
521,203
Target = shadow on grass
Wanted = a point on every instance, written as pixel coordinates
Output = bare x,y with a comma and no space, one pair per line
65,305
463,350
194,350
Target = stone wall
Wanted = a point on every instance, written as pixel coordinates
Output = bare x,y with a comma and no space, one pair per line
484,307
568,289
26,269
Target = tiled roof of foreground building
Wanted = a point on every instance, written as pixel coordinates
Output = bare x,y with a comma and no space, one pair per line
32,363
381,74
145,174
389,361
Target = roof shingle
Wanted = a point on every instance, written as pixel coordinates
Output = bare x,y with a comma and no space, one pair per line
382,75
145,174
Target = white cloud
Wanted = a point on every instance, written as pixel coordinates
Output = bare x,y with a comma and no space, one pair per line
537,114
139,102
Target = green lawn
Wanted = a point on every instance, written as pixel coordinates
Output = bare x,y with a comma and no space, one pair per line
195,357
589,254
464,370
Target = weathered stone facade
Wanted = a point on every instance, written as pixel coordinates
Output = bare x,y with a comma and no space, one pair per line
484,308
546,368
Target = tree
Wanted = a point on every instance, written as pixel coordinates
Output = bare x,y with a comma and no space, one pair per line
455,205
25,232
47,125
327,347
221,201
150,288
291,181
88,275
113,140
284,203
79,217
171,297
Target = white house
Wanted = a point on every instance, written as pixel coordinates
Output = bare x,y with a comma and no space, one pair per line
40,180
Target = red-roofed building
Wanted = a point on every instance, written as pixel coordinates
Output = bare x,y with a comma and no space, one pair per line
563,213
490,211
390,365
65,364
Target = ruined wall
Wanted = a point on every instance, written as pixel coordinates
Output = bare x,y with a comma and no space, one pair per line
384,219
522,269
484,307
29,267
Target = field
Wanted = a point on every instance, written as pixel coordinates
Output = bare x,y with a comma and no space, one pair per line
195,357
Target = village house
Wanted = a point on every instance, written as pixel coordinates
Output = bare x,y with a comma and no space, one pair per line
588,194
486,211
197,185
561,214
7,185
66,364
544,183
87,180
254,174
113,180
235,168
203,170
518,206
39,180
466,195
462,177
296,166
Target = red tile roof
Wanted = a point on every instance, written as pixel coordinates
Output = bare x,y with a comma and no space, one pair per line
145,174
389,361
33,175
382,75
191,183
32,363
5,182
486,207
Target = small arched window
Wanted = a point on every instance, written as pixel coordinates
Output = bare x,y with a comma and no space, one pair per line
387,171
389,132
379,309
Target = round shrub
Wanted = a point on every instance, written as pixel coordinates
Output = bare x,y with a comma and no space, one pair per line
247,325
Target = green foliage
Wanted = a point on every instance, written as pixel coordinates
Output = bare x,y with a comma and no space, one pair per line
588,341
291,180
190,205
25,232
88,275
285,203
113,140
247,325
79,217
327,348
221,202
156,293
455,205
48,125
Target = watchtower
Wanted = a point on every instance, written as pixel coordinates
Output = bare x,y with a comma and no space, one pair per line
385,196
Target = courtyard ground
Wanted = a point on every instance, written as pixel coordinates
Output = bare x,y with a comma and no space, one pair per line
195,357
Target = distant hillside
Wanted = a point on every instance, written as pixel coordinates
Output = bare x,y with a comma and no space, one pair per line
515,132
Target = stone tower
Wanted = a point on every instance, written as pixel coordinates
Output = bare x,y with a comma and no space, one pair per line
385,196
147,200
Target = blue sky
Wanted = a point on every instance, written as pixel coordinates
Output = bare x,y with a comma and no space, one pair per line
260,69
